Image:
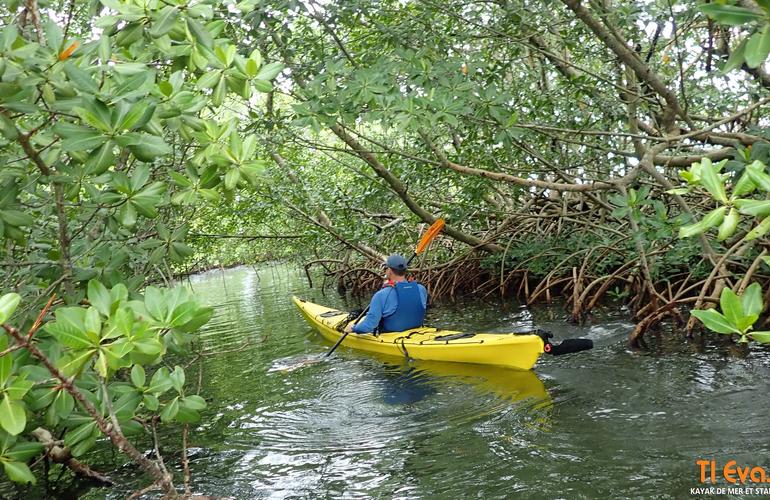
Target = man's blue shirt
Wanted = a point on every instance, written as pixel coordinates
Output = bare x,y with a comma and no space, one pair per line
384,303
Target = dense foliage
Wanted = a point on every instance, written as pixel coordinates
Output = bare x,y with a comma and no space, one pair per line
144,138
116,133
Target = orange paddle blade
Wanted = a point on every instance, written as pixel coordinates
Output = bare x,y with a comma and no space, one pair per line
66,53
429,235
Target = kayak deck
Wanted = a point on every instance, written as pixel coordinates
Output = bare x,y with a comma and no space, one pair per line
507,350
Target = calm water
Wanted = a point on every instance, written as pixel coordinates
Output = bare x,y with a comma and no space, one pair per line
608,423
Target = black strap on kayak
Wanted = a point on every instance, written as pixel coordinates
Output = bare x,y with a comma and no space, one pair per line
455,336
330,314
403,347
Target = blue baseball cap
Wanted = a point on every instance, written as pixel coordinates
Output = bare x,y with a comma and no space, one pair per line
396,262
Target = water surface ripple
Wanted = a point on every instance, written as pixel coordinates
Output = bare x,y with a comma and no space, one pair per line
608,423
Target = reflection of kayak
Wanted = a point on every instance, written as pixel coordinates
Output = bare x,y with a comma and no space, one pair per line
509,384
508,350
512,385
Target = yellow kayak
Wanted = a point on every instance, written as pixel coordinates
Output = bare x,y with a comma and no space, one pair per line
506,350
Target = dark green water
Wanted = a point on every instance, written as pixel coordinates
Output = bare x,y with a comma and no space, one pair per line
608,423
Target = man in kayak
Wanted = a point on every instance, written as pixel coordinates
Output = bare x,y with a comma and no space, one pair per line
399,306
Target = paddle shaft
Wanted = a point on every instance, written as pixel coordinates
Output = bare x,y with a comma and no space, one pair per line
360,316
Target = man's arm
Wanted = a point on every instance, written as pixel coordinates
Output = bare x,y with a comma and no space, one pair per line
373,317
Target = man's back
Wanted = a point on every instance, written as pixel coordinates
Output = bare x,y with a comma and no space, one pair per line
398,306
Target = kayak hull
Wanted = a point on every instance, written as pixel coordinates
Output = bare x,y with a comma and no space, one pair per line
516,351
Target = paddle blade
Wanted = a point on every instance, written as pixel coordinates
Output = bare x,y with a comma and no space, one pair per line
571,345
429,235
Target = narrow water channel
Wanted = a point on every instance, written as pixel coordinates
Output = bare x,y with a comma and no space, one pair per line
607,423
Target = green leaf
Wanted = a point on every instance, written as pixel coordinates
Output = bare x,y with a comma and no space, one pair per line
19,388
165,88
10,34
83,446
194,402
126,405
270,71
101,159
12,416
180,180
201,34
209,79
99,297
63,403
165,21
712,181
132,84
226,54
160,381
127,215
104,50
8,304
751,300
714,321
72,364
731,306
202,316
80,78
138,376
251,68
80,433
6,361
756,172
170,410
144,146
134,116
729,224
761,337
758,47
21,452
177,378
262,85
179,251
69,328
744,185
18,472
713,218
236,145
232,177
151,402
187,416
117,351
146,200
218,96
729,15
79,138
101,365
95,114
760,230
155,303
16,218
737,58
756,208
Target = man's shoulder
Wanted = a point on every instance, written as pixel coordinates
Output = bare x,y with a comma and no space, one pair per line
382,292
